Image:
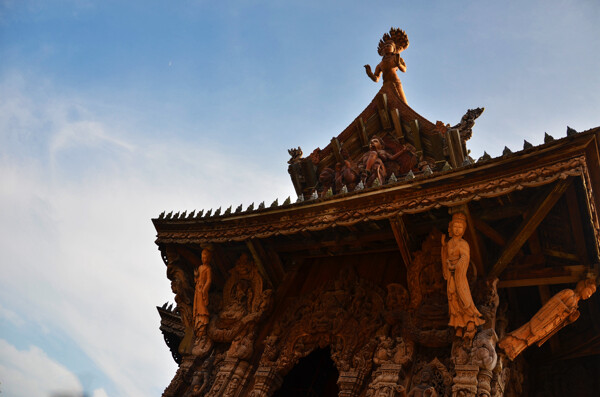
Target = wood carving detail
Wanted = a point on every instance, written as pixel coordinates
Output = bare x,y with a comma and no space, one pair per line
431,380
182,287
390,47
344,316
245,304
456,258
203,280
411,202
558,312
379,164
427,318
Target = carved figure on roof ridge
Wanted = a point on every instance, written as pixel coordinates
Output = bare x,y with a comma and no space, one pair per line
344,174
390,47
379,164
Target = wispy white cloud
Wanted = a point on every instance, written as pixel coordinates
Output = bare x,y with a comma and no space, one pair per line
99,393
83,240
31,373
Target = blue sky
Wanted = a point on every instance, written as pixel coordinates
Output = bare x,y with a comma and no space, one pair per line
111,112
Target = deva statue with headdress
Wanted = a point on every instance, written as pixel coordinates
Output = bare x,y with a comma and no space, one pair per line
390,47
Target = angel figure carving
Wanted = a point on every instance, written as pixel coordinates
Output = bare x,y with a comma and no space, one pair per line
390,47
464,316
558,312
203,278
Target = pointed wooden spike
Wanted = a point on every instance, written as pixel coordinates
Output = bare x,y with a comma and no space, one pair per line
485,157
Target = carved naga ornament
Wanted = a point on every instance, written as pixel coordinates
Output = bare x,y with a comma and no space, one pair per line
390,47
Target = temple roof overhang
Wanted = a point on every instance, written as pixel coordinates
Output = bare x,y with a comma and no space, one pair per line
573,156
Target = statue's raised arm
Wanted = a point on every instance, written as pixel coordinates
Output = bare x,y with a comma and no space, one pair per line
390,47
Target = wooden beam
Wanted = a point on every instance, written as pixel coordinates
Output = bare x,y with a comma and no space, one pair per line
489,232
545,276
415,131
401,237
499,213
337,150
383,113
538,212
530,282
397,121
353,239
362,133
587,345
258,260
576,226
561,255
457,157
275,262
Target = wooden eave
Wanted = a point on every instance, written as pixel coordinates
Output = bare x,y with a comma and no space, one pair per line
573,156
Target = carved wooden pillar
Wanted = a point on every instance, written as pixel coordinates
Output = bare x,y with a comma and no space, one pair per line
350,383
180,381
385,381
266,381
464,383
230,379
484,379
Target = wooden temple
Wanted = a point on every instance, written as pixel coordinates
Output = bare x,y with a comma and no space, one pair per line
404,268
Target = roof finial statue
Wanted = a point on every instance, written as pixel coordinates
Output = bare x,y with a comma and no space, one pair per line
390,47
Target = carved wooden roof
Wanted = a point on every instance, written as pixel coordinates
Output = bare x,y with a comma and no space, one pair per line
537,166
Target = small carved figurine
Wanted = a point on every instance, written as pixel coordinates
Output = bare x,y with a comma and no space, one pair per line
390,47
558,312
344,174
378,162
424,388
464,316
296,154
203,278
